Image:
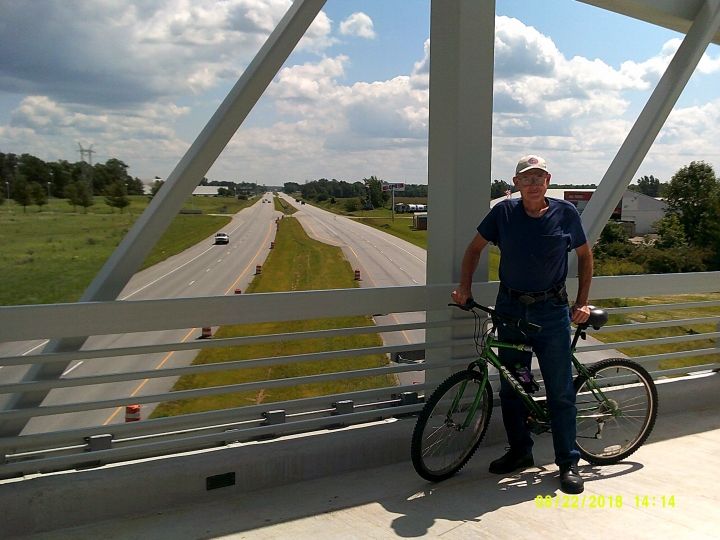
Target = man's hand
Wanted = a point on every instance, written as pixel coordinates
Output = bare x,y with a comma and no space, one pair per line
461,295
579,313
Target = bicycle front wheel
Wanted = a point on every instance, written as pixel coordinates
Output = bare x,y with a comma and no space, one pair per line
447,432
615,421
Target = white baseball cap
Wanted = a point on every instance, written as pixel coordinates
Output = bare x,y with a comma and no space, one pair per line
530,162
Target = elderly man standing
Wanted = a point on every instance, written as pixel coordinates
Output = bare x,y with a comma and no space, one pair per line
535,234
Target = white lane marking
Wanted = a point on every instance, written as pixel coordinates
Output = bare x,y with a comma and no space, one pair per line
80,362
165,275
193,281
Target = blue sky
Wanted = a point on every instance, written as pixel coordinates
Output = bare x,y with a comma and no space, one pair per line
140,79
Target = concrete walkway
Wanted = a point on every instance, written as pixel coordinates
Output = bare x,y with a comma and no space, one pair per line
668,489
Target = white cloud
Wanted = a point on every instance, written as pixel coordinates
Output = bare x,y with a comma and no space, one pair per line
123,76
358,24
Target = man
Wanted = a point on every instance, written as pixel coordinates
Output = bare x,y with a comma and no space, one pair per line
535,234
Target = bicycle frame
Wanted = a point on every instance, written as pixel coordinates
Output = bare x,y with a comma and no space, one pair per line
488,356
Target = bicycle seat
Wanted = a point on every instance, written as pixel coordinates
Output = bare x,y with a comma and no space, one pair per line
598,317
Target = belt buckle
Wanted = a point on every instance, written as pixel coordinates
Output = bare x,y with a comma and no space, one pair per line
526,299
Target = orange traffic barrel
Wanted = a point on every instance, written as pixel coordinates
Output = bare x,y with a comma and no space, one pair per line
357,275
206,333
132,413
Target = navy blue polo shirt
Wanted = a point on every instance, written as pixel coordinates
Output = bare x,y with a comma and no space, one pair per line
533,250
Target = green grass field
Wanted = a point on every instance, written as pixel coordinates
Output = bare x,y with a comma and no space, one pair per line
53,255
297,263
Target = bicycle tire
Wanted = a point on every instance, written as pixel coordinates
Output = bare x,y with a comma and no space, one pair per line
622,423
439,448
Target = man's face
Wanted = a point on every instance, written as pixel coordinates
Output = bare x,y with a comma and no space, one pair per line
532,184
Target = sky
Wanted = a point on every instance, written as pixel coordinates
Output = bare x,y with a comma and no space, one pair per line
138,80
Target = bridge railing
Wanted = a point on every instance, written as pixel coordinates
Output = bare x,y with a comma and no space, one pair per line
68,430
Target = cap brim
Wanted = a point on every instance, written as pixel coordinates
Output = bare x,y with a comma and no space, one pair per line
531,168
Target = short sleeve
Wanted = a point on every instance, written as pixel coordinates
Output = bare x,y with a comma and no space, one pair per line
577,234
488,227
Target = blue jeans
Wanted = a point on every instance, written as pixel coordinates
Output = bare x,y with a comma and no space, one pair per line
552,348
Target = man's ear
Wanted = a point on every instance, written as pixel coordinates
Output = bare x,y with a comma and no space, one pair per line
549,176
515,181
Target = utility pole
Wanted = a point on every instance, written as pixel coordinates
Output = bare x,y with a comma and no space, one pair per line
89,151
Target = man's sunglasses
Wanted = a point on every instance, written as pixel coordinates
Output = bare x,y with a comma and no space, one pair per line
531,180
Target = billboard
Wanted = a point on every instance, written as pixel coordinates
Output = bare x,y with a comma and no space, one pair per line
581,198
395,186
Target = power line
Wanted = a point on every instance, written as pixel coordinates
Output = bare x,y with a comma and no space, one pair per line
89,151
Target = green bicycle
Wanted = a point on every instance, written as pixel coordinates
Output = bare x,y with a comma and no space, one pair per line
616,403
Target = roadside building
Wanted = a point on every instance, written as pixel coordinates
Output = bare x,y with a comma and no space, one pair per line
206,191
637,211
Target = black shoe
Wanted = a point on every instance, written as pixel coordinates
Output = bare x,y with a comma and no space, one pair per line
570,479
511,461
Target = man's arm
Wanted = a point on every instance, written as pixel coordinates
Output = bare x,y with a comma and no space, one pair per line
580,310
467,269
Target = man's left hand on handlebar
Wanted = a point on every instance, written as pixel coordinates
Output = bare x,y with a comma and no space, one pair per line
579,313
461,295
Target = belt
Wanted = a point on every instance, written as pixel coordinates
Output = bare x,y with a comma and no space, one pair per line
558,291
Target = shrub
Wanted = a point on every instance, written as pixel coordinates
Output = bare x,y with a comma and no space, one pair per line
351,205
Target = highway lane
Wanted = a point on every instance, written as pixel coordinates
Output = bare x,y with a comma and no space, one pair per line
383,260
202,270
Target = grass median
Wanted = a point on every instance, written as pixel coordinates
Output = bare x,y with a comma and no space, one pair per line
297,263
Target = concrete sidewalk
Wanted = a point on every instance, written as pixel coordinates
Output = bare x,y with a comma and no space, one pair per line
668,489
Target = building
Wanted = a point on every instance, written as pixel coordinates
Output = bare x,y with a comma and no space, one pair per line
420,221
639,211
206,191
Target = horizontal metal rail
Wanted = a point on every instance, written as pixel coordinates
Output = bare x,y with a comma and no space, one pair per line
116,442
114,352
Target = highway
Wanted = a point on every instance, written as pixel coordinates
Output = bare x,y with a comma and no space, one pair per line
383,260
202,270
207,270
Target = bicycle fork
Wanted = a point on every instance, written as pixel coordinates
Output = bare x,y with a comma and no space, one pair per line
473,407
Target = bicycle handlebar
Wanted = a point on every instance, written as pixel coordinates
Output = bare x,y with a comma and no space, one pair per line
520,324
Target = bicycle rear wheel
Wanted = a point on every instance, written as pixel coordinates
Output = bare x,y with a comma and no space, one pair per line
610,429
441,446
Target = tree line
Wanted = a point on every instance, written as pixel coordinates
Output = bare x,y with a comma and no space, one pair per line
367,191
27,180
688,236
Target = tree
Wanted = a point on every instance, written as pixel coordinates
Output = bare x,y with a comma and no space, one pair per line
38,194
649,185
61,173
116,195
71,194
156,185
693,195
21,193
134,186
78,194
671,231
34,169
498,188
376,196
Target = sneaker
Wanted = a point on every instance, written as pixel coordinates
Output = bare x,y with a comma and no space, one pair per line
570,479
511,461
